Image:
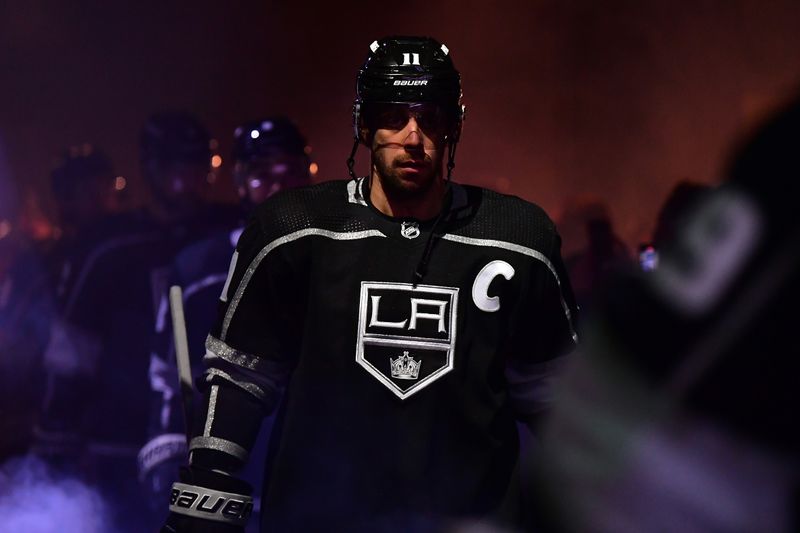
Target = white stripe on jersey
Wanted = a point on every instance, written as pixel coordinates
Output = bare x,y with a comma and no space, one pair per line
224,296
308,232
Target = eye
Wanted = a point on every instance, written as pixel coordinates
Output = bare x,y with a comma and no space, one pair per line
431,119
393,118
386,116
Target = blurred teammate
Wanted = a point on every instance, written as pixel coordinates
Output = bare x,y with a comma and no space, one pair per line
94,416
83,184
269,155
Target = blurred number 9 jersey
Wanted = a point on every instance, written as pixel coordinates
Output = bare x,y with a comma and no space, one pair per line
401,399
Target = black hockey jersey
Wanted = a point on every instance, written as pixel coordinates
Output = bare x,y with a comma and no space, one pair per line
401,398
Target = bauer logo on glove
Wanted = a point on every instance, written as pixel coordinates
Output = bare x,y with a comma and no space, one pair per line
209,504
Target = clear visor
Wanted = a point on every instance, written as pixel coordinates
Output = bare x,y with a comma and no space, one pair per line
431,117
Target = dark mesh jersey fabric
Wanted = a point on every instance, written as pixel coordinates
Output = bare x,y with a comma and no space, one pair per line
401,400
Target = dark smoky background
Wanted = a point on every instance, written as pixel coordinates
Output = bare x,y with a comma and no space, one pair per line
615,100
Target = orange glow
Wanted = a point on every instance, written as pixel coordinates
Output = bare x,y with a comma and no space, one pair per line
120,183
5,228
313,168
216,161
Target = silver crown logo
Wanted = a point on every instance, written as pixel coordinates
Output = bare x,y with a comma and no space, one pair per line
405,367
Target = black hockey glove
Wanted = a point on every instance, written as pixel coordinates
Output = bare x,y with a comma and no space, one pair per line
208,502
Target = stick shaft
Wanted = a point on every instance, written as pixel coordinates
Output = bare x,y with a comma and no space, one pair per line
182,354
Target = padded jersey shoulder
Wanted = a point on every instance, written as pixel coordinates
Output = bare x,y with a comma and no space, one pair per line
205,256
507,218
323,206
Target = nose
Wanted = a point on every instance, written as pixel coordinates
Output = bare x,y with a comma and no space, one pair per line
414,136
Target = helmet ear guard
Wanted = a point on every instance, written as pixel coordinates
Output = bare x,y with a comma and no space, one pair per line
360,131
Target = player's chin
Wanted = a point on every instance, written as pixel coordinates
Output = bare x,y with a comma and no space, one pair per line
405,186
415,183
414,176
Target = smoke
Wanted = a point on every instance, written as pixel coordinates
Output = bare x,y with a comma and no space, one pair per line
34,500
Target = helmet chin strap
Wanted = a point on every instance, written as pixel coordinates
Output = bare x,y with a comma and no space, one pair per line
351,163
451,159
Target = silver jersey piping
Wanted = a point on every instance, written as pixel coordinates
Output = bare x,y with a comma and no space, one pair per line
220,445
216,347
530,252
212,406
251,269
250,388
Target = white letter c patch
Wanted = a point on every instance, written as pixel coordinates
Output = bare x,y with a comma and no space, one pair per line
480,288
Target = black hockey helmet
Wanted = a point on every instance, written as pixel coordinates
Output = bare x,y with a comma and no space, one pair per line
78,165
84,185
409,70
266,137
270,154
175,151
172,137
401,70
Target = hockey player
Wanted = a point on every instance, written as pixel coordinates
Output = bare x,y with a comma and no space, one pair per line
91,236
83,187
410,320
269,155
94,419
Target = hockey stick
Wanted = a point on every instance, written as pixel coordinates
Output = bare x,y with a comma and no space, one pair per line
182,355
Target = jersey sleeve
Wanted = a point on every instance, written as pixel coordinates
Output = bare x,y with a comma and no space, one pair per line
544,334
251,350
166,427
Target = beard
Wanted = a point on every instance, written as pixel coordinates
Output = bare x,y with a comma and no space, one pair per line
398,184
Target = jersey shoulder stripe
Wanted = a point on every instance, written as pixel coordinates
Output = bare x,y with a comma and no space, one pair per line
501,217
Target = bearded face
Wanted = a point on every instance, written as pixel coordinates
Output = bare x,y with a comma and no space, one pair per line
407,147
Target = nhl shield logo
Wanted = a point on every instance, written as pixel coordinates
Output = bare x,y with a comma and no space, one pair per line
409,230
406,334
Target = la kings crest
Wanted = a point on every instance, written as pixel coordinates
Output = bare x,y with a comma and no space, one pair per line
406,334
